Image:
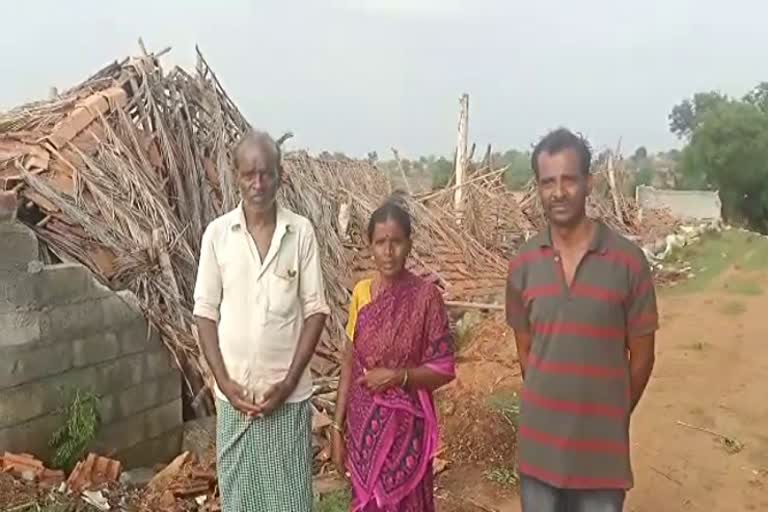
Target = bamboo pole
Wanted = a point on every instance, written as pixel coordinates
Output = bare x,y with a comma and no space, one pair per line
473,305
402,172
612,186
461,156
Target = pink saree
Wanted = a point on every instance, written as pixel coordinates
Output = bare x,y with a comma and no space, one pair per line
392,436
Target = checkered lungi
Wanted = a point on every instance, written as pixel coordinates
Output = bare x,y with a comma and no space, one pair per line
265,464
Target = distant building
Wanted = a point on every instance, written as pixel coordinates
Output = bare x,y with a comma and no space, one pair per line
689,205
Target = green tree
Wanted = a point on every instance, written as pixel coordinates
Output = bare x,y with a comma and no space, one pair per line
518,165
687,115
729,148
644,175
441,171
758,96
640,154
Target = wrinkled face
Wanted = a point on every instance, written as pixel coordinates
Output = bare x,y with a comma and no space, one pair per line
257,177
390,247
563,187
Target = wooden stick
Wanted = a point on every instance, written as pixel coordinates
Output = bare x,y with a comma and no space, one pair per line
402,172
473,305
732,444
702,429
491,174
666,476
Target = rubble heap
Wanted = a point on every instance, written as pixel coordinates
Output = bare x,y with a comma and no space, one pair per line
123,172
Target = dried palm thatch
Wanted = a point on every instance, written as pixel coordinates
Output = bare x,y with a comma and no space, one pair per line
123,172
501,219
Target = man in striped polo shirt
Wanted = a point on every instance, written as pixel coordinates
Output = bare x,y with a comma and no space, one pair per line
581,301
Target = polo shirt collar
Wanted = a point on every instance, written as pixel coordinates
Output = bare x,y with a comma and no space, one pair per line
598,243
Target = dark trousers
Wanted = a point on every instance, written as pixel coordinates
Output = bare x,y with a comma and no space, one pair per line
536,496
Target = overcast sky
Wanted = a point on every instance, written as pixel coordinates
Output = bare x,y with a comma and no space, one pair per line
356,76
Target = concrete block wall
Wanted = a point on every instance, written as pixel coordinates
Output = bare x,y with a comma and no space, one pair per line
689,205
61,330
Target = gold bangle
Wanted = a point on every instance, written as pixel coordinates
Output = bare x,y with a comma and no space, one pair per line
405,378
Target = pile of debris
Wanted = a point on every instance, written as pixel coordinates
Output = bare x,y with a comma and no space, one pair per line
123,172
101,483
25,482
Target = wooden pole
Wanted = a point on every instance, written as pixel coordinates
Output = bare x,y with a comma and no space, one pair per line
473,305
402,172
461,156
614,193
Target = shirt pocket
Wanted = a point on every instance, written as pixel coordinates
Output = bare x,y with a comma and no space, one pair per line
234,272
283,299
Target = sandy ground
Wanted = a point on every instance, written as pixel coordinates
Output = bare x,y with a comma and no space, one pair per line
711,373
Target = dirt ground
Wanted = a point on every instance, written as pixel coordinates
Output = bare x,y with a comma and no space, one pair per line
711,373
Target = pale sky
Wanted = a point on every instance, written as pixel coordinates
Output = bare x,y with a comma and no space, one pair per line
356,76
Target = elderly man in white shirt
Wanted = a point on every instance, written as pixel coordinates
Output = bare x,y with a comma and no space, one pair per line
260,308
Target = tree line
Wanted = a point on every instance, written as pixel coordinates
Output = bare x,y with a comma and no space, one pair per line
727,150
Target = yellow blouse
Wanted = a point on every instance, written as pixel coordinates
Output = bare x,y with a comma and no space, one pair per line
361,297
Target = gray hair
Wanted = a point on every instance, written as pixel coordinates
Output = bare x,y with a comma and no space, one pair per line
265,143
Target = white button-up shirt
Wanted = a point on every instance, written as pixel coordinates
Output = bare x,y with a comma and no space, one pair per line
260,306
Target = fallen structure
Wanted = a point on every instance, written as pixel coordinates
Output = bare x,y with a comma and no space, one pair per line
123,172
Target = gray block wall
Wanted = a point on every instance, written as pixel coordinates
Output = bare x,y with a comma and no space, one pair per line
688,205
61,330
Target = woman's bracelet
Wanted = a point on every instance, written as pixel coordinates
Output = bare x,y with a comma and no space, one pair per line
405,378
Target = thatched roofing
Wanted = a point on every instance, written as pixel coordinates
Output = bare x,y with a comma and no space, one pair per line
123,172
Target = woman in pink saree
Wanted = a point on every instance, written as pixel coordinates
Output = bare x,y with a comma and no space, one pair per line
401,350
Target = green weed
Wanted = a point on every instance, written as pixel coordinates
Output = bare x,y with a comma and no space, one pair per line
502,475
81,423
337,501
508,404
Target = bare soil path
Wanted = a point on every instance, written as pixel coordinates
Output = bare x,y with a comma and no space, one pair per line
712,372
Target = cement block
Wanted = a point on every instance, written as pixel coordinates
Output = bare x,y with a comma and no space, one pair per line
20,327
149,394
17,290
116,311
120,374
31,437
18,245
66,283
19,367
120,434
163,418
108,409
46,396
73,320
158,362
160,450
28,401
23,403
95,348
136,337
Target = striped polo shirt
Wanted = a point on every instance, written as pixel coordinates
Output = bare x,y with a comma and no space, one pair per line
575,407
